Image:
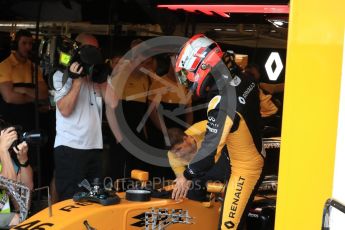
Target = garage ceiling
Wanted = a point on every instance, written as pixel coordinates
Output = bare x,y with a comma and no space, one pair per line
109,16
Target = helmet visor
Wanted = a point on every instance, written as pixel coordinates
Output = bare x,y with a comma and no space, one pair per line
182,77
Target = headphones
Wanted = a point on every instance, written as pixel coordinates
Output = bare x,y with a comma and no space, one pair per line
15,39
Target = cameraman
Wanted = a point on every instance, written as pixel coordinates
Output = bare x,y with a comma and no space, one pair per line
78,142
20,171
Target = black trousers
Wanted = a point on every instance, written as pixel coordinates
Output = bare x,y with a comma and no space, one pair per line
74,165
116,162
220,171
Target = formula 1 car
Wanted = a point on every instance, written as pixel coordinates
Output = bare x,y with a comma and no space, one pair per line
132,209
144,209
135,209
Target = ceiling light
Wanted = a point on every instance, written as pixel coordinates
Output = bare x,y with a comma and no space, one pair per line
279,22
225,10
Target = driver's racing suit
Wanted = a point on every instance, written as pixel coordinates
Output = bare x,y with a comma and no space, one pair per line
242,136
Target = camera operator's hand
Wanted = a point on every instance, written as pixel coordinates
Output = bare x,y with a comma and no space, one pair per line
22,152
76,70
7,137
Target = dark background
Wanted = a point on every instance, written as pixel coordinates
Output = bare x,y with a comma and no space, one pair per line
115,13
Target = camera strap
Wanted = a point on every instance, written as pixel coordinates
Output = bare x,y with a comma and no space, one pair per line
64,77
3,200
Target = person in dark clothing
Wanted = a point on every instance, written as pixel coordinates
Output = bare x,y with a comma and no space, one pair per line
233,120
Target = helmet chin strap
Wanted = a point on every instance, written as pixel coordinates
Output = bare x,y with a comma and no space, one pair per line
193,87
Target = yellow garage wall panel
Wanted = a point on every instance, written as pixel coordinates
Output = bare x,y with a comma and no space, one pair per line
339,168
310,116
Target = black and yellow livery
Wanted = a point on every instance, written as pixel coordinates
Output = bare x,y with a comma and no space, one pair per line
240,132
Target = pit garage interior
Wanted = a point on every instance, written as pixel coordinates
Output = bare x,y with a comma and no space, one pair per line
269,34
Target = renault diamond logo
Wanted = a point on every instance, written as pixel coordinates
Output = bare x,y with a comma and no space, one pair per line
273,75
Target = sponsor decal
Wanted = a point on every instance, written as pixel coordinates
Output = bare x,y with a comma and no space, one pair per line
141,222
242,100
214,124
76,205
39,225
211,119
214,127
160,217
236,198
273,74
34,225
235,81
248,90
229,224
253,215
212,130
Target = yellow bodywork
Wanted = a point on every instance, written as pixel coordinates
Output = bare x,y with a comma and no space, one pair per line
71,215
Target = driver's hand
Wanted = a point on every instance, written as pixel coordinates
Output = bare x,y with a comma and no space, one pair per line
181,187
7,137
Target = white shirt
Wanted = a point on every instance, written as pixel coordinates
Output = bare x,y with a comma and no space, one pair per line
82,129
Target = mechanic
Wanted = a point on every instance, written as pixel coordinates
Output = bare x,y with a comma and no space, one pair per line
233,120
183,148
17,83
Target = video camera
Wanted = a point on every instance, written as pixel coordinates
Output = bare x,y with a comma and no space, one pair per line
59,52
